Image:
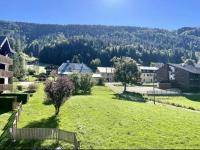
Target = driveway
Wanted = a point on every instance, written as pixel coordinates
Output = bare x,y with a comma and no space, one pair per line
142,89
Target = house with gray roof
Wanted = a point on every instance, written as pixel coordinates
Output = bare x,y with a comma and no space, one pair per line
182,76
70,68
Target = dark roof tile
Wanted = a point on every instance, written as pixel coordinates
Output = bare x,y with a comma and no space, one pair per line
190,68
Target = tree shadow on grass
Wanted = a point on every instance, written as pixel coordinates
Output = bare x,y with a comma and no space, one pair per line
128,97
195,98
51,122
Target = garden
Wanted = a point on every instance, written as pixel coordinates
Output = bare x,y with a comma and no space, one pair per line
101,120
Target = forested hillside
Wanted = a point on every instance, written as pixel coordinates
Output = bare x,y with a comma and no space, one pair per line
85,43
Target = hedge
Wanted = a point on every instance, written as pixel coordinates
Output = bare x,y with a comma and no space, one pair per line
6,102
20,96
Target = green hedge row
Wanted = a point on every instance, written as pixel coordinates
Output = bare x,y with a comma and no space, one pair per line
6,102
20,96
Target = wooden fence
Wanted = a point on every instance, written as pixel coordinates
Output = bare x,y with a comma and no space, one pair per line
163,92
41,133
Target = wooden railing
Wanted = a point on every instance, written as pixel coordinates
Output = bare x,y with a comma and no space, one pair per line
6,60
5,87
4,73
41,133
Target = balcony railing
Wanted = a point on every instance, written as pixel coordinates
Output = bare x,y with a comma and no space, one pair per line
6,87
4,73
5,60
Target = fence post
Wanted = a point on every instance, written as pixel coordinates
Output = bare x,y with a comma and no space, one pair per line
76,142
14,130
57,136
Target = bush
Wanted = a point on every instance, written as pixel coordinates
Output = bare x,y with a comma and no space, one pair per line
31,71
32,88
6,102
82,83
75,78
86,84
20,96
134,94
19,87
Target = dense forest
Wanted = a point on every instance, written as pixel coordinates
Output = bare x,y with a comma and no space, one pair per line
97,44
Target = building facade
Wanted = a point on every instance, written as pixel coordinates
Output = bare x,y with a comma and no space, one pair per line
182,76
5,62
147,74
107,73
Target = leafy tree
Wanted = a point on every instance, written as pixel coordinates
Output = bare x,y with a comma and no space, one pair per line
76,58
75,78
59,91
86,84
95,63
189,62
19,65
82,83
126,71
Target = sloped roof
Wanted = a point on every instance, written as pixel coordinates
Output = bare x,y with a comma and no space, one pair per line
106,69
96,75
3,40
69,68
190,68
148,68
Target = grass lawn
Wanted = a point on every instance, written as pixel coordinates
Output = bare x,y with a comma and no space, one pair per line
102,121
187,101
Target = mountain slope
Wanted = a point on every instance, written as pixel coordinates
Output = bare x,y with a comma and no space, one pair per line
34,38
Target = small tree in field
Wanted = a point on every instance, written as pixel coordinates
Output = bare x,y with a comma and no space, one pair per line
126,71
59,91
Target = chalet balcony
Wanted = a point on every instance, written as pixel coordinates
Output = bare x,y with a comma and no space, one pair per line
6,60
6,87
4,73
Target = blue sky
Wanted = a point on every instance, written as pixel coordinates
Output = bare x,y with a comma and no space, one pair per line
169,14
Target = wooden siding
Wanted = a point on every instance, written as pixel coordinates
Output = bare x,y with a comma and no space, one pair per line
162,74
4,73
6,60
5,87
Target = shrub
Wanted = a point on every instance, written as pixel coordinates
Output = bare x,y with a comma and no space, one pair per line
32,88
19,87
31,71
6,102
82,83
42,77
75,78
86,84
134,94
20,96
